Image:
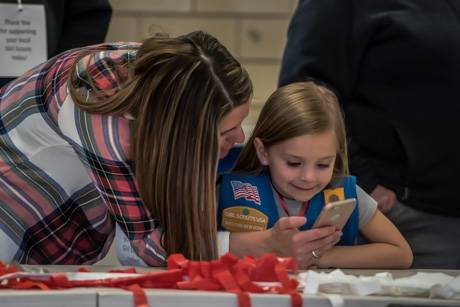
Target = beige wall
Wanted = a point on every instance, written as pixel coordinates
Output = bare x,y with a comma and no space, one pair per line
253,30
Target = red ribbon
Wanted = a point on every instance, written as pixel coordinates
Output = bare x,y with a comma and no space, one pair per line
228,273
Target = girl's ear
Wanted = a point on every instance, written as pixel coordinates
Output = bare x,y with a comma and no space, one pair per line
261,152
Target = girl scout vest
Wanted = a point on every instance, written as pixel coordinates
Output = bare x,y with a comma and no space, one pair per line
247,203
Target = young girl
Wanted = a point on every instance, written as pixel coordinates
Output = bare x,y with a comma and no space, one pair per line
294,163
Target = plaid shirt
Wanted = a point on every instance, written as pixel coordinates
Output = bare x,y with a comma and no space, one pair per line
65,178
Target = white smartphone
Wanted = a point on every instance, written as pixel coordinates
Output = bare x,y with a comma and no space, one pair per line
336,213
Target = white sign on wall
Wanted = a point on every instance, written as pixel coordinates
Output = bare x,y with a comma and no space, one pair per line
22,38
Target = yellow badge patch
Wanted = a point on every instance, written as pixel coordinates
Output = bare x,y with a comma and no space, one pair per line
331,195
237,219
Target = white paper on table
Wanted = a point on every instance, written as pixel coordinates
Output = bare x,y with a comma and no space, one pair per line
421,284
450,290
337,282
71,276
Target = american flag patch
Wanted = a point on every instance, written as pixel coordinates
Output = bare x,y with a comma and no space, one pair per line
246,191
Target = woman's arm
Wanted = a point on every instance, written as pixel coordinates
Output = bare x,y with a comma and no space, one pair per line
388,249
102,143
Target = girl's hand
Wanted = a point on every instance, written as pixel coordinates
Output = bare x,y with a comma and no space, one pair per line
313,243
281,235
287,240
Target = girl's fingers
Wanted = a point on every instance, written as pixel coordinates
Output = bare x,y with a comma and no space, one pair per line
319,247
291,222
322,236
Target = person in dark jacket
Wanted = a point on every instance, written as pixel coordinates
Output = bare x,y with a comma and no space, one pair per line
394,65
71,24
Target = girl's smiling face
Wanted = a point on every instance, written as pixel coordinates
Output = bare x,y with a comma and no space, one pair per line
302,166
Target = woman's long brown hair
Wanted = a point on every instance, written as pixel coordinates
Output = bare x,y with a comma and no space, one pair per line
293,110
178,90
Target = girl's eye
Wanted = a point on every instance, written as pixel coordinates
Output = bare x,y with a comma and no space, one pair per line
293,164
324,165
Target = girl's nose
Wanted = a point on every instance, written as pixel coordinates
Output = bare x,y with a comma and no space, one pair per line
308,174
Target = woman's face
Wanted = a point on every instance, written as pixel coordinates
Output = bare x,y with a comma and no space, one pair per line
230,129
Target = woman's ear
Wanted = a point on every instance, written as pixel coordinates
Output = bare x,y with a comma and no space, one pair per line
261,152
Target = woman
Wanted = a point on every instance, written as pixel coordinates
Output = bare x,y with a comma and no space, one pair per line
120,134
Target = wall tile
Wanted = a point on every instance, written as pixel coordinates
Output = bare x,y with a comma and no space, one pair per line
245,6
264,78
263,38
150,5
122,28
222,29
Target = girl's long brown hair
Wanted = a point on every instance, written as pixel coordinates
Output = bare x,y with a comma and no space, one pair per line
177,90
293,110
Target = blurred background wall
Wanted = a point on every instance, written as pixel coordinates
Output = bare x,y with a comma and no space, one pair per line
253,30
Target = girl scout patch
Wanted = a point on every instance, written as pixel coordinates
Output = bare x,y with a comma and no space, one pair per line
245,190
331,195
241,218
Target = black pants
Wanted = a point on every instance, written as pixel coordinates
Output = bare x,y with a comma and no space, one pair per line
435,239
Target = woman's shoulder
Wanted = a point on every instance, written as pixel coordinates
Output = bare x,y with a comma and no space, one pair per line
117,51
106,65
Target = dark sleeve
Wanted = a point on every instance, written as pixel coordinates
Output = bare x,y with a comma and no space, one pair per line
326,40
76,23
